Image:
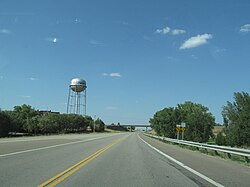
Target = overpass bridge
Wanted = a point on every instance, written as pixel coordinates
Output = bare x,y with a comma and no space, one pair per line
135,125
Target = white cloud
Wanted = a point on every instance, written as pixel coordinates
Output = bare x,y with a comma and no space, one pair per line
148,38
33,79
4,31
196,41
77,20
25,96
178,31
53,40
194,57
105,74
168,30
111,74
165,30
97,43
245,28
220,50
121,23
115,75
111,108
171,58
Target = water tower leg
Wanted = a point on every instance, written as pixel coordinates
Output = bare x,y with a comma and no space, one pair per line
76,104
68,101
85,103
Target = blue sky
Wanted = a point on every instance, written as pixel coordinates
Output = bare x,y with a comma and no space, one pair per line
137,57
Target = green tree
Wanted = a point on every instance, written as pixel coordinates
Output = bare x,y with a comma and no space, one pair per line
15,120
76,122
164,122
237,116
32,125
22,117
199,122
48,124
198,119
99,125
220,139
5,124
63,122
26,119
89,122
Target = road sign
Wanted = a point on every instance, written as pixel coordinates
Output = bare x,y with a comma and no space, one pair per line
180,128
183,124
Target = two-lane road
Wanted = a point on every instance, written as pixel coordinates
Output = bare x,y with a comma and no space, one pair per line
123,159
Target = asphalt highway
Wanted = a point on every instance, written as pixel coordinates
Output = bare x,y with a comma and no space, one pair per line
115,159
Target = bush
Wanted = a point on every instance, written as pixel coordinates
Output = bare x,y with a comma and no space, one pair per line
220,139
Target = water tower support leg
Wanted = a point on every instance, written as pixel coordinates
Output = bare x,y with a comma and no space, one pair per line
68,102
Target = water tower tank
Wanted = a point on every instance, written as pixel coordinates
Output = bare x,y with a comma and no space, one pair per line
78,85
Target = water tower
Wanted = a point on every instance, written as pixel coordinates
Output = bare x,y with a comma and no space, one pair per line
77,97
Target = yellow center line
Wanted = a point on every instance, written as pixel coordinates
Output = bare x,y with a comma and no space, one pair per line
68,172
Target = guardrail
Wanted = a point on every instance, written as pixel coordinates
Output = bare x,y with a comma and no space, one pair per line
225,149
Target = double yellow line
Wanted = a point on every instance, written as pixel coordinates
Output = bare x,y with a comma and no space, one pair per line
68,172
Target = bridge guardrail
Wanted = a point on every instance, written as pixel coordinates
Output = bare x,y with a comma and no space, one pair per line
225,149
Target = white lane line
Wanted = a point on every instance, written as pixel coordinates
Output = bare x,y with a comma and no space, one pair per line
52,146
31,140
183,165
28,139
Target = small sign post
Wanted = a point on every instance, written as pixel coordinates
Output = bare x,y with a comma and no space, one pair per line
183,124
180,128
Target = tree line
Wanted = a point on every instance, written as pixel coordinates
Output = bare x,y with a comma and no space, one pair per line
25,119
200,122
236,117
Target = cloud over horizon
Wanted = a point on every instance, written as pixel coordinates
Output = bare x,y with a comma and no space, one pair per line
196,41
